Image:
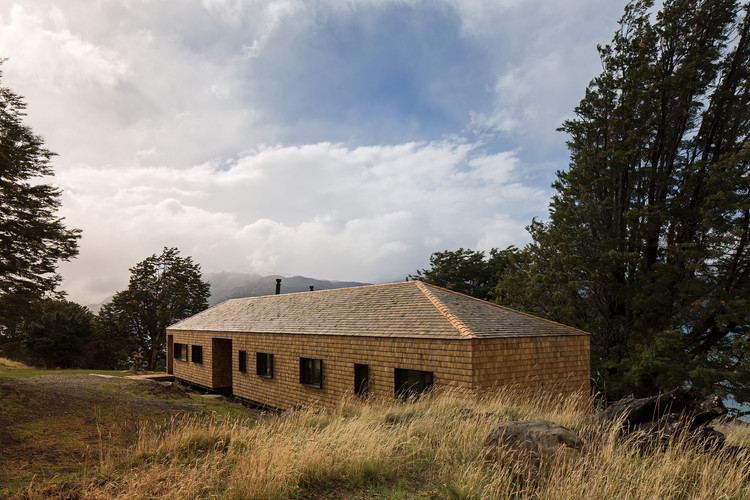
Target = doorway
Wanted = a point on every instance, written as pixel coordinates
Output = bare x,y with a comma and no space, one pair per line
221,364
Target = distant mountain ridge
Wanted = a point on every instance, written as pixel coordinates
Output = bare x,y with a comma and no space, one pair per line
226,285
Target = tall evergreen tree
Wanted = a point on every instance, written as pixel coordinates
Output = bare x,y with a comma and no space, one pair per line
647,242
163,289
33,239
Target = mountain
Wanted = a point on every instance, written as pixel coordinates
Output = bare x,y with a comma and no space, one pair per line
225,286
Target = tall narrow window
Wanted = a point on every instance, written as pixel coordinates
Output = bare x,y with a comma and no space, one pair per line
242,361
361,380
411,383
264,364
197,354
311,372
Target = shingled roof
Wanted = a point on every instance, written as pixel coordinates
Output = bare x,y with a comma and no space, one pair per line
406,309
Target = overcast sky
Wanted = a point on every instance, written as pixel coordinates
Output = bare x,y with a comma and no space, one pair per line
341,139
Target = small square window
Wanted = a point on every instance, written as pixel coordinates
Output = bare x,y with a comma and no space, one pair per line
264,364
242,365
311,372
180,351
197,354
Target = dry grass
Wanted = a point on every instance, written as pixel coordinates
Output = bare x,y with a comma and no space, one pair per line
12,364
430,448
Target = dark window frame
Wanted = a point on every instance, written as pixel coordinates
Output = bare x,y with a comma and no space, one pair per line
264,364
242,361
311,375
404,388
179,351
199,357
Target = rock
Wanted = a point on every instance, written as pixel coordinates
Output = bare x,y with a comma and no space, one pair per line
687,402
531,446
660,418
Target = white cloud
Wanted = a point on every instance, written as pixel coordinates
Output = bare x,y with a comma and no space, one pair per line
170,132
369,213
53,56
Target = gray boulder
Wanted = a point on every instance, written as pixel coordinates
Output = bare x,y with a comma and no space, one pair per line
531,446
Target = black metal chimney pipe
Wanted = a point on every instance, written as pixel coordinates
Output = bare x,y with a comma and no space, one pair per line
278,286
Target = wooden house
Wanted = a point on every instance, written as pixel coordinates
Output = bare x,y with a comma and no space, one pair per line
313,348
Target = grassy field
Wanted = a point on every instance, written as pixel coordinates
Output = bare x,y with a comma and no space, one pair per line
427,449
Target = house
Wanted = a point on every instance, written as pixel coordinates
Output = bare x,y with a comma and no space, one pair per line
313,348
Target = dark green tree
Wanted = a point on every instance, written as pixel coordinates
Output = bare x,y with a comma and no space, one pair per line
60,335
33,239
163,289
467,271
647,242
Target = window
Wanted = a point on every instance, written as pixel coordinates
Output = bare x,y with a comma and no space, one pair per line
411,383
264,364
197,354
180,351
311,372
361,380
242,366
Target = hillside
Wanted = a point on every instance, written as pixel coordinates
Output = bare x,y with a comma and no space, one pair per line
119,438
225,285
228,285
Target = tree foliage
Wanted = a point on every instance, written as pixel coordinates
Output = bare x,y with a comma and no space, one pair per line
163,289
468,271
60,335
33,239
647,241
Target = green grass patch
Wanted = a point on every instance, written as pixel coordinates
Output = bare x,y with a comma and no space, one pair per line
16,372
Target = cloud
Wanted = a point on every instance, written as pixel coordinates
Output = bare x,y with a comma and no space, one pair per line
336,138
367,213
55,57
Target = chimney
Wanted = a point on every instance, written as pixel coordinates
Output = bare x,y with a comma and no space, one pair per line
278,286
312,288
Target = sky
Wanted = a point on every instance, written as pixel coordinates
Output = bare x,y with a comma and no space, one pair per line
336,139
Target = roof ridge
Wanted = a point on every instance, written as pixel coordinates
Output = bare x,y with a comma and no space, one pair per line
317,291
459,325
509,309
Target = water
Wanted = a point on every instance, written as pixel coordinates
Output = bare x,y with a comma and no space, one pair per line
730,403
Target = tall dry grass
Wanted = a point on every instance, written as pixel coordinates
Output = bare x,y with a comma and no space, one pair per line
431,447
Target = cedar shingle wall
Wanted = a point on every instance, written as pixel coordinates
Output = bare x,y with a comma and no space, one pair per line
450,362
532,363
197,373
558,363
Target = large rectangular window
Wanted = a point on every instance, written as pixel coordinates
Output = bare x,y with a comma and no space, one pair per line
264,364
311,372
197,354
411,383
180,351
242,364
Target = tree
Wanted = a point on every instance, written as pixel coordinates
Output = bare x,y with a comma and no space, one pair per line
163,289
468,271
60,335
33,239
647,242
